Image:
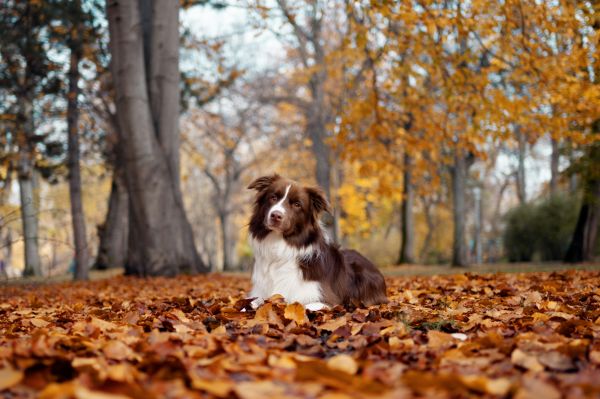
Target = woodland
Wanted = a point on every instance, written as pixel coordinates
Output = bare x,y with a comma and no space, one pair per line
453,136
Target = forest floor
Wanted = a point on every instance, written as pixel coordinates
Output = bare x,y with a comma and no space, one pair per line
521,335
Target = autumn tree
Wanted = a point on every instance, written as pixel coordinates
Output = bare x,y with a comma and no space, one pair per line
145,52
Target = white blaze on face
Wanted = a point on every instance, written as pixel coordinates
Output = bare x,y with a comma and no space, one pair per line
279,206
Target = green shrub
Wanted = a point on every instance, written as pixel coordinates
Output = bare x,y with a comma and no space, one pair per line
519,234
555,221
542,229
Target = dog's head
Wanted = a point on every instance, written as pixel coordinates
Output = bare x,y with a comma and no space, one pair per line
285,206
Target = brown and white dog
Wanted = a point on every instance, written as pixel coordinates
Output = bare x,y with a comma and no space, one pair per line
295,258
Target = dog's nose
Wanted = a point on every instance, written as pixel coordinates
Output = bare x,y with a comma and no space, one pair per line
276,216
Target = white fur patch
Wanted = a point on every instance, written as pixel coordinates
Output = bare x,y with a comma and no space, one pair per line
277,271
279,206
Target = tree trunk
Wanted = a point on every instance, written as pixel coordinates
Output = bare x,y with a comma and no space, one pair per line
27,189
459,177
478,226
114,233
430,228
161,241
554,161
521,188
583,243
407,223
29,215
77,214
227,242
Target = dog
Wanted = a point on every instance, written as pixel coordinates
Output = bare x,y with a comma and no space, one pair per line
294,257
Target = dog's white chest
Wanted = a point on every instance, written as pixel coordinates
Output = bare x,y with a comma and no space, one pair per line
277,271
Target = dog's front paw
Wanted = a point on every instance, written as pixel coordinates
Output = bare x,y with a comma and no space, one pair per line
316,306
256,303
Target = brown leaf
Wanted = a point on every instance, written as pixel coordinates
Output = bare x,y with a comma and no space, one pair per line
334,324
218,387
492,386
117,350
525,360
39,323
9,377
260,390
595,357
344,363
439,340
534,388
557,361
296,312
266,313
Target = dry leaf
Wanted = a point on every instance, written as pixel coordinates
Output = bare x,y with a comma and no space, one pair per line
219,388
117,350
296,312
494,386
40,323
344,363
9,377
525,360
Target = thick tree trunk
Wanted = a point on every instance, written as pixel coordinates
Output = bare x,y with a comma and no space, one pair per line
554,161
407,218
77,214
114,232
161,240
522,149
583,243
459,178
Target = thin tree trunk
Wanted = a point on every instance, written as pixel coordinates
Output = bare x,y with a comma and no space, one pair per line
430,227
226,242
77,214
407,222
161,241
554,161
29,215
478,224
522,148
27,189
114,232
459,177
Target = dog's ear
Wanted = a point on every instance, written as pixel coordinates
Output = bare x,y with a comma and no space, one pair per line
318,201
263,182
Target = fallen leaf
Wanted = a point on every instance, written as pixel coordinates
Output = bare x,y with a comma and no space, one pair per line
9,377
344,363
492,386
557,361
296,312
334,324
218,387
117,350
525,360
533,388
266,313
438,339
39,323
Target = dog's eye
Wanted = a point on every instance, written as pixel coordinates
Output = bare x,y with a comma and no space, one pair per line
297,204
273,197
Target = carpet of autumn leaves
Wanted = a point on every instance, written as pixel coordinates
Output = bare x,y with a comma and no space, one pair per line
534,335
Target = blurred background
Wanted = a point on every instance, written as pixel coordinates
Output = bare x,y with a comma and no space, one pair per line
443,132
